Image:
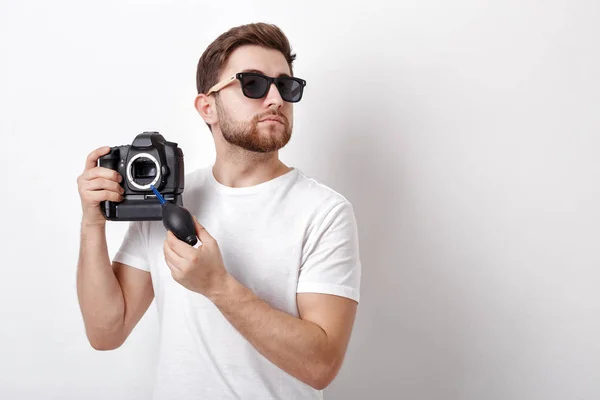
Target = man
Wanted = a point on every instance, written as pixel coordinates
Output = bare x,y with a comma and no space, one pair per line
264,308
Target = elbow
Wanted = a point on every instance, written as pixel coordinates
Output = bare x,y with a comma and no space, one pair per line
105,337
326,373
104,346
104,343
321,382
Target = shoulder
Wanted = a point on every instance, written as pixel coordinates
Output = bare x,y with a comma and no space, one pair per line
323,200
195,184
317,190
196,179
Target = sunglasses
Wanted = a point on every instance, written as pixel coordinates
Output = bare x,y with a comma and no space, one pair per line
256,86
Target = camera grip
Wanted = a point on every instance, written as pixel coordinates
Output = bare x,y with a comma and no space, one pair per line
110,160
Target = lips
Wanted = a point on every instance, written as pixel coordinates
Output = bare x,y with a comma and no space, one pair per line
275,119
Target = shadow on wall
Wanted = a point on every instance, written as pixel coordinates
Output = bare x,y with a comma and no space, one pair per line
395,349
370,176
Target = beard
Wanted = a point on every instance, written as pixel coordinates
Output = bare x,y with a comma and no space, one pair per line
252,137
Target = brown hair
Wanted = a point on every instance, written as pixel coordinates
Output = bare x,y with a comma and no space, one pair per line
217,54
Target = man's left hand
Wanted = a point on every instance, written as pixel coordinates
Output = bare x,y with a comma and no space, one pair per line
200,270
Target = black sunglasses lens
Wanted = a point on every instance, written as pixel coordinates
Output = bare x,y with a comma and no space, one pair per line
289,89
254,86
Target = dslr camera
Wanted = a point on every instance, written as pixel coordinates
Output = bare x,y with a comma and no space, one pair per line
149,161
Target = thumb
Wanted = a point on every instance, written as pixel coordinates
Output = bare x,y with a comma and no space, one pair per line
201,232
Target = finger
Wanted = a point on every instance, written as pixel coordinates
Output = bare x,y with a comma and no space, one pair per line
201,232
92,158
101,172
175,272
97,196
101,183
181,248
173,258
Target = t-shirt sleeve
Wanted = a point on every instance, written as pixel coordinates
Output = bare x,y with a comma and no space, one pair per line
132,251
331,263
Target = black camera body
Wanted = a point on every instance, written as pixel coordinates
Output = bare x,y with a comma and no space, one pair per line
149,160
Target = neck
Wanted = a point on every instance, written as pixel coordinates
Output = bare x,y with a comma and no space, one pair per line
236,167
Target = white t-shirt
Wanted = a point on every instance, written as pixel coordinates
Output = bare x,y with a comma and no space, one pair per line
289,235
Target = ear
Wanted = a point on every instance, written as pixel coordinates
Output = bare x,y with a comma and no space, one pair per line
206,108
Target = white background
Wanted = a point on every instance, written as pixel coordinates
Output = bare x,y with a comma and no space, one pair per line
465,133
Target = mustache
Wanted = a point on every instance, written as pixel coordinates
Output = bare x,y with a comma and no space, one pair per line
271,114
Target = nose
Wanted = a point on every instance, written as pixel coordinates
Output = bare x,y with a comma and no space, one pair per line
273,97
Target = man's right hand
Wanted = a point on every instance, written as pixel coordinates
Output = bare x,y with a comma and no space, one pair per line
97,184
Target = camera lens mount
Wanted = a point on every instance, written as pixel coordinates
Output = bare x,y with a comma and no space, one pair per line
132,164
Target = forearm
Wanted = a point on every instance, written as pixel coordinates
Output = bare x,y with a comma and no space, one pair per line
299,347
100,295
